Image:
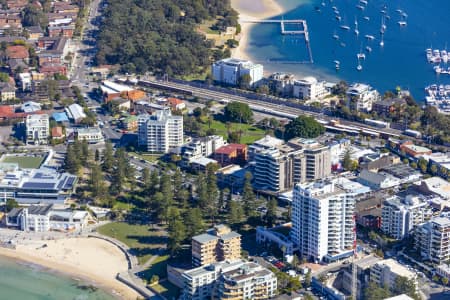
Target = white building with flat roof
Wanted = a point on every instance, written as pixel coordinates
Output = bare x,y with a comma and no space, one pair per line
385,272
160,132
360,97
75,112
236,279
323,223
37,129
309,88
230,71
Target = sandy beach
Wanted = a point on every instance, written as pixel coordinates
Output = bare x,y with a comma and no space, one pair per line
255,9
90,259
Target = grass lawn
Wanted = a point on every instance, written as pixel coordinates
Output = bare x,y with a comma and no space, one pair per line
249,132
158,267
146,156
167,290
144,242
27,162
123,206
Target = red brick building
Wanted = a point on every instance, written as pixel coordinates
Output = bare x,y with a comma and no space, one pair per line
231,154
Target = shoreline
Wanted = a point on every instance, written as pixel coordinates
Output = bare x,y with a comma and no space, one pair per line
264,9
84,271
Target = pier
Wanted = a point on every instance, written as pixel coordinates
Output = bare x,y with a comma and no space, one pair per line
303,31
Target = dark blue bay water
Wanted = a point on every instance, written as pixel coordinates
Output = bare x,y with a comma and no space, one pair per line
401,62
26,282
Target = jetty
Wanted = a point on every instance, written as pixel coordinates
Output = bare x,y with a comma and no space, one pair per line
303,31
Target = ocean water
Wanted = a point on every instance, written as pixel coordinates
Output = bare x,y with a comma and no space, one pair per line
26,282
401,62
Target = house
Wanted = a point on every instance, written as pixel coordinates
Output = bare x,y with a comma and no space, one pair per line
18,52
387,106
200,164
231,154
34,33
57,132
176,104
50,69
16,4
75,113
7,92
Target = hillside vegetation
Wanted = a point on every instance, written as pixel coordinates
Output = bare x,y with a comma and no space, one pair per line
160,35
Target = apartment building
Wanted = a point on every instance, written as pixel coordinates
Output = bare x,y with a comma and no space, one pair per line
217,244
399,215
360,97
309,88
323,223
266,142
202,147
236,279
385,272
432,240
281,83
37,129
230,71
279,167
160,132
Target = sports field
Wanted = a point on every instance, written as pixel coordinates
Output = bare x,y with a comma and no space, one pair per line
25,162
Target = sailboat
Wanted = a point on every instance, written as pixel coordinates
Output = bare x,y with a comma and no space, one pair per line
383,25
360,55
337,64
359,66
356,27
382,40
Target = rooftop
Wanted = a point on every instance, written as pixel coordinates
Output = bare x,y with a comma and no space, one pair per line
230,148
396,268
204,238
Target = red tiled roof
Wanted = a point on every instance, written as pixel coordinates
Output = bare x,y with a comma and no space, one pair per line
17,52
228,149
174,101
57,131
6,111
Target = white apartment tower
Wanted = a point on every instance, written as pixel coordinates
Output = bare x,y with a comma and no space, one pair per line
37,128
160,132
323,224
432,240
230,70
400,215
361,97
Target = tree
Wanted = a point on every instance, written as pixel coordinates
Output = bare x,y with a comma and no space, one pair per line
146,179
212,190
248,196
423,165
176,230
375,292
308,278
304,127
235,213
238,112
193,220
433,169
10,204
97,155
4,77
245,81
97,184
72,161
108,158
404,285
271,214
444,281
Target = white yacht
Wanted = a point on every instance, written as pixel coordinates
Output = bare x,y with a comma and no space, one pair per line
402,23
369,37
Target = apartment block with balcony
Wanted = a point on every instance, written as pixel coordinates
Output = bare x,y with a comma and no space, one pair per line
361,97
160,132
217,244
231,70
399,215
236,279
323,223
37,129
279,167
432,240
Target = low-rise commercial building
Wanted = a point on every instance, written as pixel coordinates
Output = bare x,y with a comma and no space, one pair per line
75,113
92,135
236,279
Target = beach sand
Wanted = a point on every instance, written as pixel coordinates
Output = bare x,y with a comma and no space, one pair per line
90,259
255,9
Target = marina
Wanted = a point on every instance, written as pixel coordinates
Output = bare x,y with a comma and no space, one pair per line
439,97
